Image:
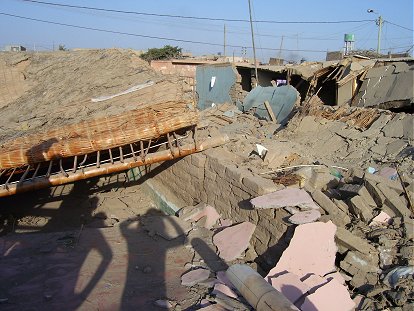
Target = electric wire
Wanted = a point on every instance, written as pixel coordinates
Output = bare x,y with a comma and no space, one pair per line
192,17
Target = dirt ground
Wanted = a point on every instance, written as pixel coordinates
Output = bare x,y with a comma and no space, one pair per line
83,247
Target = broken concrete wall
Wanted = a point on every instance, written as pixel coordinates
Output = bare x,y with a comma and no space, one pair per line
212,177
388,85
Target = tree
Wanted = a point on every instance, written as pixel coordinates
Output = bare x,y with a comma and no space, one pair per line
62,47
167,52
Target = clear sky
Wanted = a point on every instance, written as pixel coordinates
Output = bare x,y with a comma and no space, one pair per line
298,39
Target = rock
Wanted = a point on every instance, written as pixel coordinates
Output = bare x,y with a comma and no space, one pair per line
394,185
289,285
311,250
304,217
283,198
234,240
388,173
352,242
332,296
194,277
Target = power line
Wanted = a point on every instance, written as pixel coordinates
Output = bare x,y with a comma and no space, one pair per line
145,36
194,17
406,28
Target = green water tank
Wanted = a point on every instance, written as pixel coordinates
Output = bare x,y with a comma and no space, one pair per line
349,37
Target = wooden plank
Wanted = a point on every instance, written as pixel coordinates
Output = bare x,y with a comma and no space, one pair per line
270,112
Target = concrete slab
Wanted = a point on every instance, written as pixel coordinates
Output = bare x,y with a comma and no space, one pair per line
224,289
304,217
195,213
233,241
290,285
194,277
332,296
283,198
311,250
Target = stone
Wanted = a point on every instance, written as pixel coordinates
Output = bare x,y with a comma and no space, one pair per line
194,277
195,213
332,296
337,276
338,217
168,227
290,286
224,289
283,198
233,241
311,250
304,217
361,209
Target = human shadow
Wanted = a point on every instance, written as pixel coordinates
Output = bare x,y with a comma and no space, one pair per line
153,267
55,277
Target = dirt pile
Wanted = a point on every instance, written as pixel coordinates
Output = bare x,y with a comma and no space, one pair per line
47,90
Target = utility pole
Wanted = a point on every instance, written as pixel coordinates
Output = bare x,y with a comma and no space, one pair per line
280,50
224,52
254,48
380,21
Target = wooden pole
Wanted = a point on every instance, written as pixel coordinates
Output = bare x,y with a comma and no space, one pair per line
108,168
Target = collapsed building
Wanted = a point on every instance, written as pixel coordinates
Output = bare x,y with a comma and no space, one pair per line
308,181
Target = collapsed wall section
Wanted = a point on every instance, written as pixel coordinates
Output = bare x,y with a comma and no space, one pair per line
213,178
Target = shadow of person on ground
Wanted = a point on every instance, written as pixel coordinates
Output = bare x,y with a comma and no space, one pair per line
52,278
154,268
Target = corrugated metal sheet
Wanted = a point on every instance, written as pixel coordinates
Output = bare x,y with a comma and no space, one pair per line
281,99
224,77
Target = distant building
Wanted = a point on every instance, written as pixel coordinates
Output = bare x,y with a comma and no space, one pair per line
276,61
14,48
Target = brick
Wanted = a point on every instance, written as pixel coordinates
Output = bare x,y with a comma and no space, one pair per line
197,173
364,193
260,185
339,218
393,201
236,174
198,160
353,242
216,166
361,209
395,185
376,194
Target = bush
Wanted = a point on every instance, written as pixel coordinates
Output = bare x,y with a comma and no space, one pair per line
167,52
